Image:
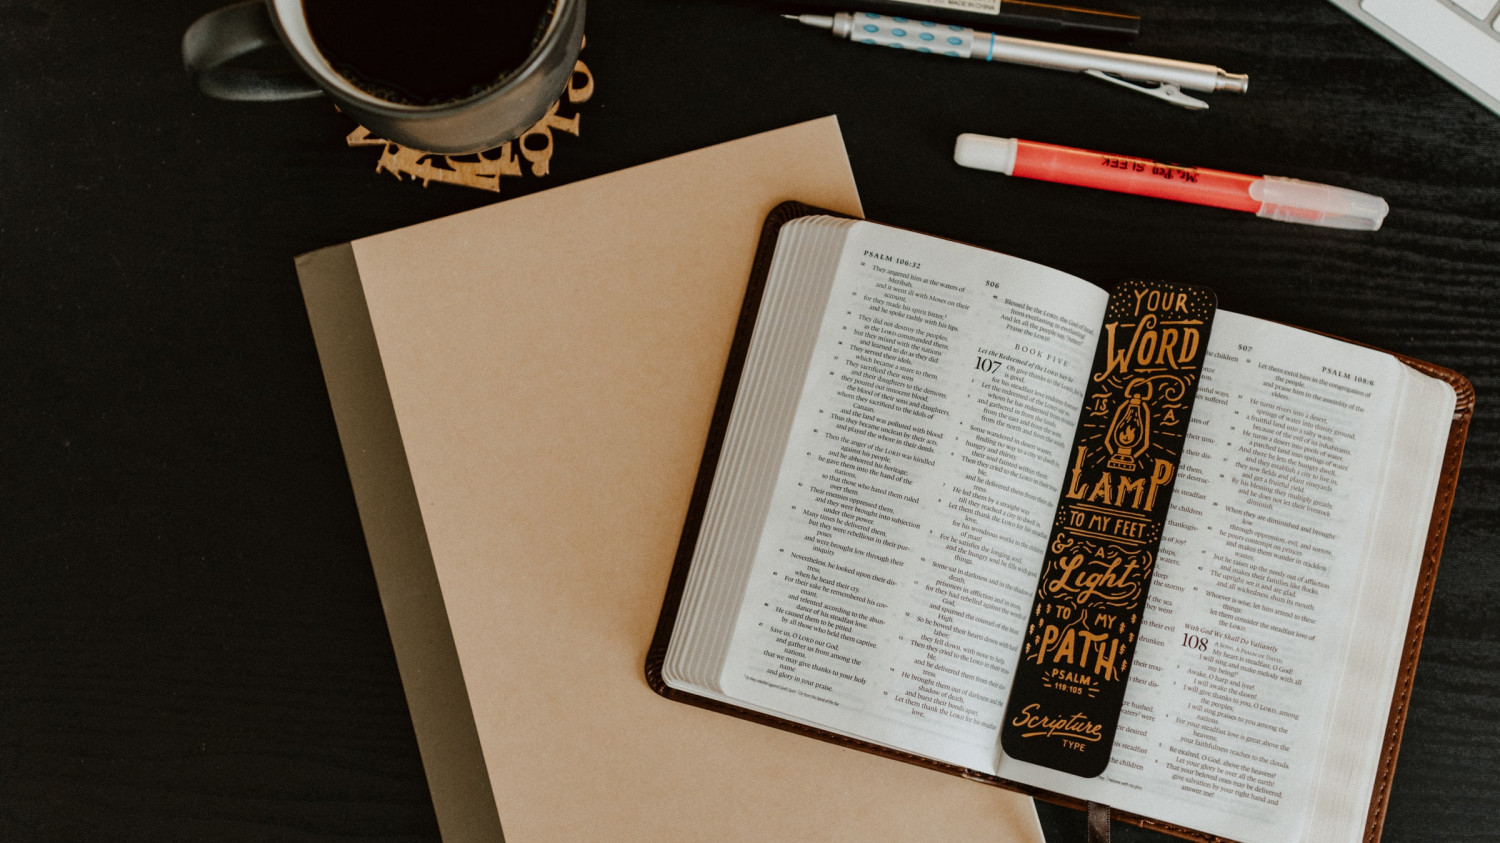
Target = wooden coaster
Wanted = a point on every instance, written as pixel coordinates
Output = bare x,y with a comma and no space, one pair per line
483,170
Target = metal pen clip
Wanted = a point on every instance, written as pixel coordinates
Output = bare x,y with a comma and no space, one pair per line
1167,91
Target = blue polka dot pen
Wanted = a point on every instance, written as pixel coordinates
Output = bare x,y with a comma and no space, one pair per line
1165,78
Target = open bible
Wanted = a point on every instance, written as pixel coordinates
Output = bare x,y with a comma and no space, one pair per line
878,493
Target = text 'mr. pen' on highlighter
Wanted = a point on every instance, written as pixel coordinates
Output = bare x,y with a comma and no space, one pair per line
1272,197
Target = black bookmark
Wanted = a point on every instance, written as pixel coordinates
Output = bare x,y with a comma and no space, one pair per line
1080,640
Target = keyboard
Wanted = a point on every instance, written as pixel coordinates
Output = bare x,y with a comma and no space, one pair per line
1458,39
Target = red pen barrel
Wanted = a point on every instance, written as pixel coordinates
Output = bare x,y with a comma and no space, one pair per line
1139,176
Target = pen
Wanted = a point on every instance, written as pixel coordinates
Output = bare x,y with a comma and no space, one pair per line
1063,20
1170,76
1272,197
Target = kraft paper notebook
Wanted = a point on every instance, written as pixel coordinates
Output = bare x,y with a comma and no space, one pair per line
524,393
1172,559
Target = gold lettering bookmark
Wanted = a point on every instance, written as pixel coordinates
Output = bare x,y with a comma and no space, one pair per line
1080,640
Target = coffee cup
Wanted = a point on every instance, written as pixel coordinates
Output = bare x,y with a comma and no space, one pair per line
452,77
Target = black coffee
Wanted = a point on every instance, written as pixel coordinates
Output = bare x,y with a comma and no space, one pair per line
426,53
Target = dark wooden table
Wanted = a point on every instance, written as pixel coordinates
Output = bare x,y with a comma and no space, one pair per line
191,647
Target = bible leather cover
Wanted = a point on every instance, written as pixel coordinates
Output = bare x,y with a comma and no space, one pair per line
1416,623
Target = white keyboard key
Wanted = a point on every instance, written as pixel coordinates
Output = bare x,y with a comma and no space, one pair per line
1478,8
1436,28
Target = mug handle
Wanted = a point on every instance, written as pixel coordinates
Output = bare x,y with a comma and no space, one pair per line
213,44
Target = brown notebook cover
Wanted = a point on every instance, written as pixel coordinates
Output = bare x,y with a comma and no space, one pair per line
523,392
656,657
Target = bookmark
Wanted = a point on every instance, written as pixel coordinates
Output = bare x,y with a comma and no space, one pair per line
1080,640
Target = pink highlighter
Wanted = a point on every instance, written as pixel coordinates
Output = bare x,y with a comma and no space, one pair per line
1272,197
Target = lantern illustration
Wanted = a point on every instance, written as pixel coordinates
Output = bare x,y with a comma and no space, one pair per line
1129,435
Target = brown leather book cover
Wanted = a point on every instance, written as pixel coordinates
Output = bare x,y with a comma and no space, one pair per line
656,657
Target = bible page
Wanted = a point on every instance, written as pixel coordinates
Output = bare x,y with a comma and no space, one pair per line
1296,480
892,577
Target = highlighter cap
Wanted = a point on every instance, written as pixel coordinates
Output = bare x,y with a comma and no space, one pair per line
1293,200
